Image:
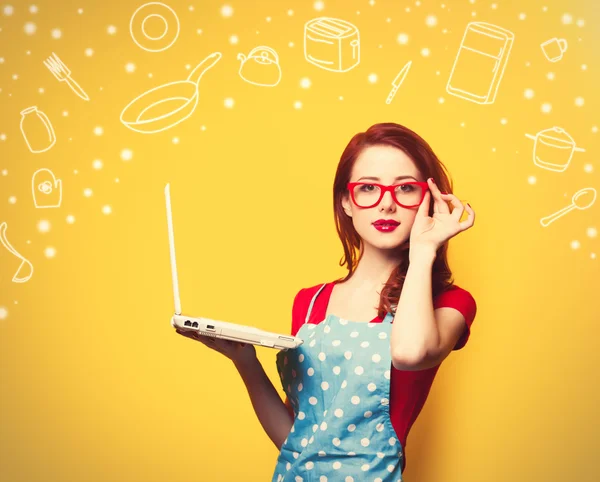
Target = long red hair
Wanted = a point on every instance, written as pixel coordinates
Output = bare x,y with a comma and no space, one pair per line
429,165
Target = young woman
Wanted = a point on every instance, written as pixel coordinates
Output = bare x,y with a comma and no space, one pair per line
373,340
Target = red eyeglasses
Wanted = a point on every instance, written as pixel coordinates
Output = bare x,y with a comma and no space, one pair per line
369,194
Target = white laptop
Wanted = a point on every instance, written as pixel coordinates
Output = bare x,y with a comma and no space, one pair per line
215,328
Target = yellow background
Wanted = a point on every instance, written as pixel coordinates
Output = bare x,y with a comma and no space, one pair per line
95,384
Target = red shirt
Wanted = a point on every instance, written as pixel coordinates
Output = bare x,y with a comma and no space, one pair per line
408,389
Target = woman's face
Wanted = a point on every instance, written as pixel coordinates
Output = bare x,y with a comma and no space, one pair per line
385,165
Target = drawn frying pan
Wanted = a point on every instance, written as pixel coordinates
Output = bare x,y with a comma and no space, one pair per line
167,105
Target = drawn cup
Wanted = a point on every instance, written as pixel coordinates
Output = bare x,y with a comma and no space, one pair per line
554,49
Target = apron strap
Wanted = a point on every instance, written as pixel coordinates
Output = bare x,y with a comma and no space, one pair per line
312,302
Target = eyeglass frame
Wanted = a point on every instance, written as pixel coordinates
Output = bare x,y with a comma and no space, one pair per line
383,189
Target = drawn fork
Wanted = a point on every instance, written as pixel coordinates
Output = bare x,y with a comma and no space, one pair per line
63,74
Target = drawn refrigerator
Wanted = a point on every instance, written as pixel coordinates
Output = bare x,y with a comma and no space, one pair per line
480,62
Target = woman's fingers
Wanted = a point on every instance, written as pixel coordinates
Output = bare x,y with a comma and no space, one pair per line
439,205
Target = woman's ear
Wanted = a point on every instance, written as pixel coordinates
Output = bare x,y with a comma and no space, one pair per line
346,205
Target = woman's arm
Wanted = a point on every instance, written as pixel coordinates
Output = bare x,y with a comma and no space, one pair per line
414,331
271,411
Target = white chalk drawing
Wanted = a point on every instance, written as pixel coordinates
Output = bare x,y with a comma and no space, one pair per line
37,130
154,11
480,62
63,74
332,44
582,199
553,149
261,67
398,81
554,48
46,189
25,269
167,105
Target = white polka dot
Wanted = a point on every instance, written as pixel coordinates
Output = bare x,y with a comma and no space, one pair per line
336,342
311,326
315,427
351,427
379,427
368,414
390,468
304,442
377,479
364,442
336,370
354,334
348,355
312,400
311,440
310,371
322,454
301,415
376,358
371,387
312,343
383,335
324,385
301,357
387,374
349,478
364,344
392,441
295,454
365,467
322,356
337,465
343,322
336,442
355,400
380,455
385,401
359,370
327,329
344,384
309,465
300,386
324,426
339,413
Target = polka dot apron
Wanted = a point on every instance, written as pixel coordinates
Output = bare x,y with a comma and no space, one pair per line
338,382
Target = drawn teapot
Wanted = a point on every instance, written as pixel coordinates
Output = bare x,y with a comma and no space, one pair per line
261,67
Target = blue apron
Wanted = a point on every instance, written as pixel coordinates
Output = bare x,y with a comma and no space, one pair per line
338,382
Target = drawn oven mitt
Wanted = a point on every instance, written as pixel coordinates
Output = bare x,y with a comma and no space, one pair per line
47,190
261,67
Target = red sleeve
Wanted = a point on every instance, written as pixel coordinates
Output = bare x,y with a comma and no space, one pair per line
298,311
463,301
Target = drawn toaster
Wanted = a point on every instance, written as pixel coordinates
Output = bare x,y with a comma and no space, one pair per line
331,44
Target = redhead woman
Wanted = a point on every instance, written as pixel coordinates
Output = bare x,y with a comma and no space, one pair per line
374,339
